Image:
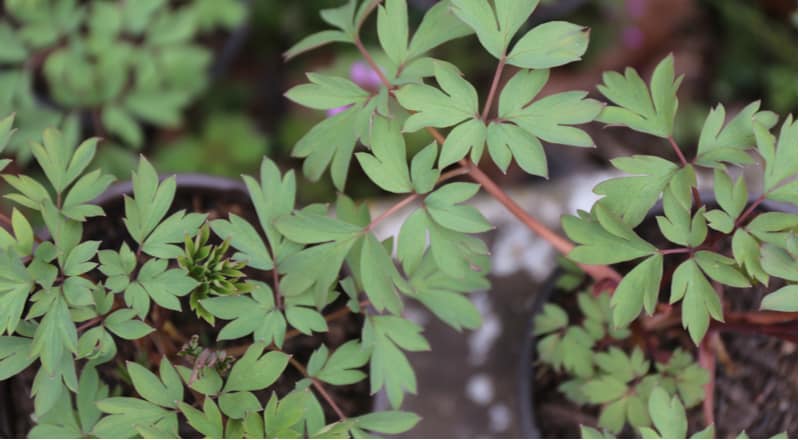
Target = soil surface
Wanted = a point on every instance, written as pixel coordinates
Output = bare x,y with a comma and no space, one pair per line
177,328
755,384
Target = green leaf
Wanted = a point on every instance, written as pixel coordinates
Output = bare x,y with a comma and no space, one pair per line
389,367
604,389
466,136
550,44
721,269
273,197
379,276
55,336
424,173
306,320
174,229
731,197
327,92
478,15
637,108
442,206
331,142
343,366
167,392
720,144
159,107
700,300
507,140
551,118
77,204
746,252
388,422
387,166
667,414
14,355
651,176
438,26
308,228
595,236
780,159
244,238
639,288
150,201
782,300
550,319
239,404
122,324
456,102
208,422
314,41
393,29
254,371
315,268
120,123
127,413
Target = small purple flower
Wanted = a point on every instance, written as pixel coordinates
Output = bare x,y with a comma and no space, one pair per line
335,111
362,74
632,37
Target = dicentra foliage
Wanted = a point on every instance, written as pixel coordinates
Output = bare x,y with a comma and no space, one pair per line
66,304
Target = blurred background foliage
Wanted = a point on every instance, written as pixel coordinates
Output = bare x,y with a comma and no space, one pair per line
198,85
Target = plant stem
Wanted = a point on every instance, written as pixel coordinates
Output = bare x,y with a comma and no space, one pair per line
409,199
684,162
321,389
742,218
89,323
564,246
675,251
5,220
493,89
708,360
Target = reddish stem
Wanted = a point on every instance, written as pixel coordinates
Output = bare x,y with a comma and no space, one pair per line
493,89
320,388
707,360
675,251
742,218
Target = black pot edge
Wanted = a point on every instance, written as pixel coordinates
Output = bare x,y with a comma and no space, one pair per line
194,181
528,424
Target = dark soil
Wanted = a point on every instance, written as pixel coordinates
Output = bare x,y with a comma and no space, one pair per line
174,329
755,384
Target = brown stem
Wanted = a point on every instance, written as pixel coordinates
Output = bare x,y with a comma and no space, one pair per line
707,360
564,246
397,207
408,200
493,89
675,251
742,218
678,151
89,323
320,389
371,61
5,220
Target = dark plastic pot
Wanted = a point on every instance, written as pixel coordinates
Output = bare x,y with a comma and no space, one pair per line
528,421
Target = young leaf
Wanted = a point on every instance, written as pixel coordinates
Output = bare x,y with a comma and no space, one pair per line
255,371
438,26
550,44
606,231
456,102
393,29
244,237
700,300
651,176
150,201
668,415
639,288
729,143
326,92
387,166
649,111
